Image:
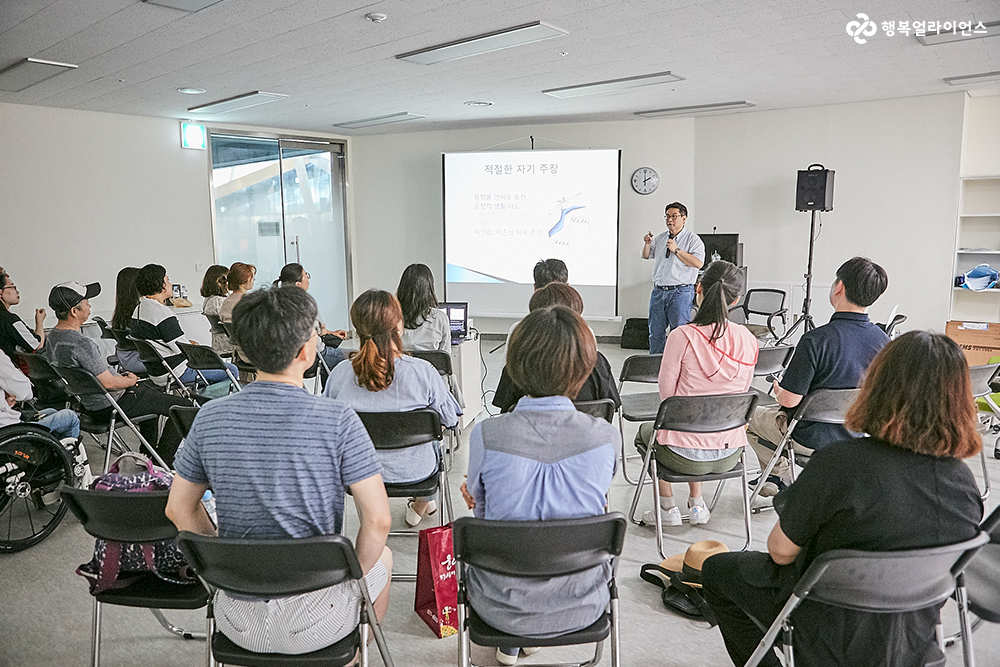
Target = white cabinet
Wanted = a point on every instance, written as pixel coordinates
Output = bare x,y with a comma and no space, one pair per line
978,242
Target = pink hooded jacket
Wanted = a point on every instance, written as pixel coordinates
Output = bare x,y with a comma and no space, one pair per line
694,365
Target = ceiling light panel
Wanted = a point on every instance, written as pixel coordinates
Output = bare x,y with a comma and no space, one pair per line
613,85
492,41
184,5
30,71
970,79
696,109
992,30
244,101
379,120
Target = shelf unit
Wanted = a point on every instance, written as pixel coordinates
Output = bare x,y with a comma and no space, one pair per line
977,242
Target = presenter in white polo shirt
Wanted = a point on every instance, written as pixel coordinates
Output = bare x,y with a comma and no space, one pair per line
678,253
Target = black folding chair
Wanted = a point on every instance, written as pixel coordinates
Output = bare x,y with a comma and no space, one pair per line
400,430
260,569
603,408
244,366
980,578
215,327
182,417
156,365
124,344
124,516
106,334
441,361
768,303
44,377
641,407
697,414
982,377
545,549
204,358
826,406
887,582
81,382
771,363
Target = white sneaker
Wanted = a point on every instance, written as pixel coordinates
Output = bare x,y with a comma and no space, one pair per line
668,517
505,659
532,650
413,519
698,514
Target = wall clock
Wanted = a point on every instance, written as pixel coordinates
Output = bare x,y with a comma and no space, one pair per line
645,180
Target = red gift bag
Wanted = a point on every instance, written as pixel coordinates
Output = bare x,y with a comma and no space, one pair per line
436,600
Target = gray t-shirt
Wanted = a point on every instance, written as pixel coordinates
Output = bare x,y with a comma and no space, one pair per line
434,333
667,269
67,348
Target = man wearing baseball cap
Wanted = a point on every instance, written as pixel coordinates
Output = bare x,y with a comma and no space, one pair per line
67,347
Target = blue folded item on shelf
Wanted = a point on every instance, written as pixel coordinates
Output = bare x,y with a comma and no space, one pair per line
981,278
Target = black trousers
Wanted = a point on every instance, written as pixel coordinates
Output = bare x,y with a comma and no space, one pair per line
141,400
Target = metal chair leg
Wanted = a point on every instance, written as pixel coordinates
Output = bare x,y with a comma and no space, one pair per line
962,598
615,630
986,475
639,484
209,631
173,629
95,639
656,505
766,472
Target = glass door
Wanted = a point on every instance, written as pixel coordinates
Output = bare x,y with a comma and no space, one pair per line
279,201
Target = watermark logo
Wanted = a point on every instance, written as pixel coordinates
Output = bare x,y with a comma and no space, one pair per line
864,27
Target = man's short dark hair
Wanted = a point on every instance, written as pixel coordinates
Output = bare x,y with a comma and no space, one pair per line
550,271
272,325
864,280
681,208
149,280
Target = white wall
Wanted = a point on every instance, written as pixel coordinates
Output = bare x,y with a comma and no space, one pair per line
396,185
895,195
84,194
981,140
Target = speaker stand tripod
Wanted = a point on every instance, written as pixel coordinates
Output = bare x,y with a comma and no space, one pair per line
805,320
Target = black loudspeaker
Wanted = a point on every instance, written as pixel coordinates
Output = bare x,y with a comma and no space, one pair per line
814,189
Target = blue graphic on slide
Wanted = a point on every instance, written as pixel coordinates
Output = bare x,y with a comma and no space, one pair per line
562,220
460,274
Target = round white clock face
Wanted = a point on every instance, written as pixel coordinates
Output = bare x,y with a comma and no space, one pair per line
645,180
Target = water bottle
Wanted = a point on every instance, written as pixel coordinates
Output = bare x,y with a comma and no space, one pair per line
208,500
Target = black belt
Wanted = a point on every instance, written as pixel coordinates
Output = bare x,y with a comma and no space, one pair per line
670,287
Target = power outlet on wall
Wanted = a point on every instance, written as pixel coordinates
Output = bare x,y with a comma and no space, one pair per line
199,267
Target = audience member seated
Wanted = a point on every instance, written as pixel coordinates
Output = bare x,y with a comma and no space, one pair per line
425,326
546,271
545,460
215,289
711,355
126,301
16,387
278,460
15,336
240,278
154,322
382,378
601,381
904,486
833,356
67,347
294,274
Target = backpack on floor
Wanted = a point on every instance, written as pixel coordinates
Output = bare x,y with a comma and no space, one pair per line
635,334
118,564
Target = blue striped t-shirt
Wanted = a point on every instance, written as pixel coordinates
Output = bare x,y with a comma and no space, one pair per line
278,460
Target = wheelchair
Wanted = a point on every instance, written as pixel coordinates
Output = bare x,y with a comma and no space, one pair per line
33,464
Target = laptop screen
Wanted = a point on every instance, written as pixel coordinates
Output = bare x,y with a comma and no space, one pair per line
457,313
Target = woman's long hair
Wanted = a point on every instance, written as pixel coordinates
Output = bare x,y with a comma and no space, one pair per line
126,298
290,274
720,286
216,281
917,395
376,316
416,295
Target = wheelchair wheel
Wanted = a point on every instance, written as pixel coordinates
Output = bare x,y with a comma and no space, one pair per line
33,464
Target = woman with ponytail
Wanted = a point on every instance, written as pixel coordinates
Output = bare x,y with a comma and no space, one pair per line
382,378
711,355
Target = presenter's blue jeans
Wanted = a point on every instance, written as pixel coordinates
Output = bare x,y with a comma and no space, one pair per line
668,308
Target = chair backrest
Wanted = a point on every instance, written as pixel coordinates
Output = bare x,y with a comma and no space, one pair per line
888,581
398,430
201,357
439,359
544,548
262,568
764,301
121,516
891,325
105,327
228,328
182,416
772,360
828,406
215,324
738,314
81,382
39,368
641,368
150,357
981,377
602,408
991,525
706,414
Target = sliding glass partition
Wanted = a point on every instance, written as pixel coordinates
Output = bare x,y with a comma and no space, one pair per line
278,201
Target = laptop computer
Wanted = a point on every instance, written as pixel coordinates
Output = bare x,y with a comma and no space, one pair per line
458,316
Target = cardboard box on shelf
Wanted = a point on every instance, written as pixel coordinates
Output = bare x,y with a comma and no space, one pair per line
979,340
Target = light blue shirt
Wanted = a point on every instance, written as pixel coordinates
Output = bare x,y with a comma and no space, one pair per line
667,269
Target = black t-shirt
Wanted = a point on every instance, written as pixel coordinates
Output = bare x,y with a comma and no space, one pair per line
600,384
833,356
867,495
15,336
